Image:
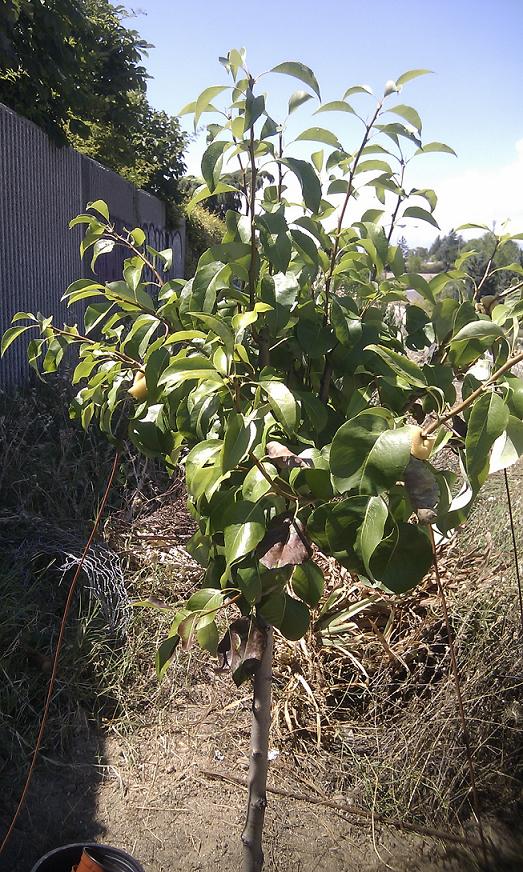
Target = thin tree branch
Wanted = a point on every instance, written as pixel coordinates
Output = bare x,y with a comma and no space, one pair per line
459,407
487,270
327,371
252,207
347,808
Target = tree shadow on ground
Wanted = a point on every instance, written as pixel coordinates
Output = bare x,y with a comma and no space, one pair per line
61,804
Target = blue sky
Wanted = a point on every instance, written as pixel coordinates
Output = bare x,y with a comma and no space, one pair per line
474,101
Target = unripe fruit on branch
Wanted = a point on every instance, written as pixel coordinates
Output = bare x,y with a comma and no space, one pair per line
139,388
421,446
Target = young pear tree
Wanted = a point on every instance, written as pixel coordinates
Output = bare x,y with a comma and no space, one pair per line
303,416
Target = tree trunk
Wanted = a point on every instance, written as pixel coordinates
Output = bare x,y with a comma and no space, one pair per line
261,721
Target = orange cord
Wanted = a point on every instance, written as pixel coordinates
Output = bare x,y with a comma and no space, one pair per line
54,670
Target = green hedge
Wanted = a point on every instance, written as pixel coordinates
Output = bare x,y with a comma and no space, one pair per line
203,230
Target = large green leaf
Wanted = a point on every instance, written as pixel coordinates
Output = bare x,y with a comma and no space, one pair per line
282,403
239,436
189,369
319,134
421,214
410,74
217,325
408,113
342,522
204,100
366,455
256,484
244,527
308,179
299,71
298,99
212,161
370,533
472,341
296,619
440,147
335,106
203,193
401,365
508,448
11,334
307,582
487,421
403,559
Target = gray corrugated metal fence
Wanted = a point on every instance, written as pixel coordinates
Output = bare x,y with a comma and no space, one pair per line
41,188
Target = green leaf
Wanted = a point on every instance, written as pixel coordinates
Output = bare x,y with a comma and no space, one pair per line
408,113
249,582
403,560
308,179
211,163
370,533
317,159
296,619
335,106
319,134
308,583
204,100
282,403
357,89
100,207
189,369
203,192
219,326
270,128
272,608
366,455
367,166
11,334
239,436
411,74
472,340
165,654
401,365
298,99
299,71
438,146
508,448
203,598
487,421
422,214
255,484
207,637
244,528
306,247
254,108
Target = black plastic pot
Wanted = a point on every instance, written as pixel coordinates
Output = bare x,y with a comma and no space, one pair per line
64,858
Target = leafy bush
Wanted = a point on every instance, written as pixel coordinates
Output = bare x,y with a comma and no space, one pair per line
203,229
278,367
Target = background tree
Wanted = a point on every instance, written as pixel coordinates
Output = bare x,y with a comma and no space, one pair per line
445,249
76,70
487,263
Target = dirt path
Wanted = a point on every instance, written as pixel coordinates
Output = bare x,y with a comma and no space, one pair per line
148,794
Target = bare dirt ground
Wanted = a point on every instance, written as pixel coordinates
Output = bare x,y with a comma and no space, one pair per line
151,796
145,786
149,793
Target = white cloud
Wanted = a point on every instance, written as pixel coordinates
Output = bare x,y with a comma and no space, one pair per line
480,196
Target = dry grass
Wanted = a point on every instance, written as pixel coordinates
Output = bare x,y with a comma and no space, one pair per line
364,705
